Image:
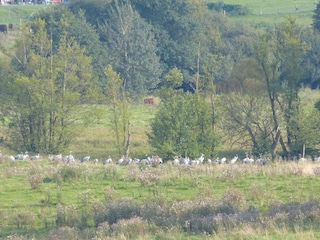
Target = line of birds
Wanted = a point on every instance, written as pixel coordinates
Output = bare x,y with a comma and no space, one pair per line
70,159
153,160
247,160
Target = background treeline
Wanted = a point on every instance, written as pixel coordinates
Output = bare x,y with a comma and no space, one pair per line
217,79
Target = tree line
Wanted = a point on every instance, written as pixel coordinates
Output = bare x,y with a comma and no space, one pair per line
72,59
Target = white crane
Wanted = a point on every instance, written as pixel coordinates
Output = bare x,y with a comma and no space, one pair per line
56,157
201,158
234,160
85,159
108,161
176,161
223,160
35,157
69,158
121,160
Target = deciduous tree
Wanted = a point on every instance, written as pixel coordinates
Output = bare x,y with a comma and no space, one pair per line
183,123
118,101
48,99
132,48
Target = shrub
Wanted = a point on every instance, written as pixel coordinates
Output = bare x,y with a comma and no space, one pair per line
69,173
24,219
256,192
235,197
65,233
305,215
15,237
124,209
35,180
161,215
67,216
103,230
47,180
131,228
211,219
109,193
111,172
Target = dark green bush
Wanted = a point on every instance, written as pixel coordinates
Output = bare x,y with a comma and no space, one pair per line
230,9
69,173
116,210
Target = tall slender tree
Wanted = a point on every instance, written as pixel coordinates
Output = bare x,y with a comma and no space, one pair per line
292,50
118,101
316,18
132,48
280,56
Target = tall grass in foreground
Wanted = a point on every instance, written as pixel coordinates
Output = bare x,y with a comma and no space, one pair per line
96,201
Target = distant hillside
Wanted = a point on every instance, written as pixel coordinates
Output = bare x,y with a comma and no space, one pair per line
17,14
269,10
265,7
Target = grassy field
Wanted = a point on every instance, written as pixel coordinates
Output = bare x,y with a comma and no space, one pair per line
36,195
98,140
19,14
271,6
273,11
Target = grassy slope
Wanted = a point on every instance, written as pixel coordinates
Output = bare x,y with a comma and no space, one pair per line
288,5
18,14
274,11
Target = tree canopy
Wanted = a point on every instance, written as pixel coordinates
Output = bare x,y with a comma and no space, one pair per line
204,68
48,94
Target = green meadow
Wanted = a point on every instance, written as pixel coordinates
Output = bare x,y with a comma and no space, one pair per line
44,199
267,5
33,194
19,14
272,11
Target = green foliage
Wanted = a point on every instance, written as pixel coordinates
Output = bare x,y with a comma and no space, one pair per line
172,80
48,96
311,62
316,18
119,103
125,209
317,105
280,57
132,48
183,123
95,11
306,129
246,120
291,51
61,22
177,28
230,9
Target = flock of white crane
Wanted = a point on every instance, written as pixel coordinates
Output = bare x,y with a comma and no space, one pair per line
235,159
153,160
